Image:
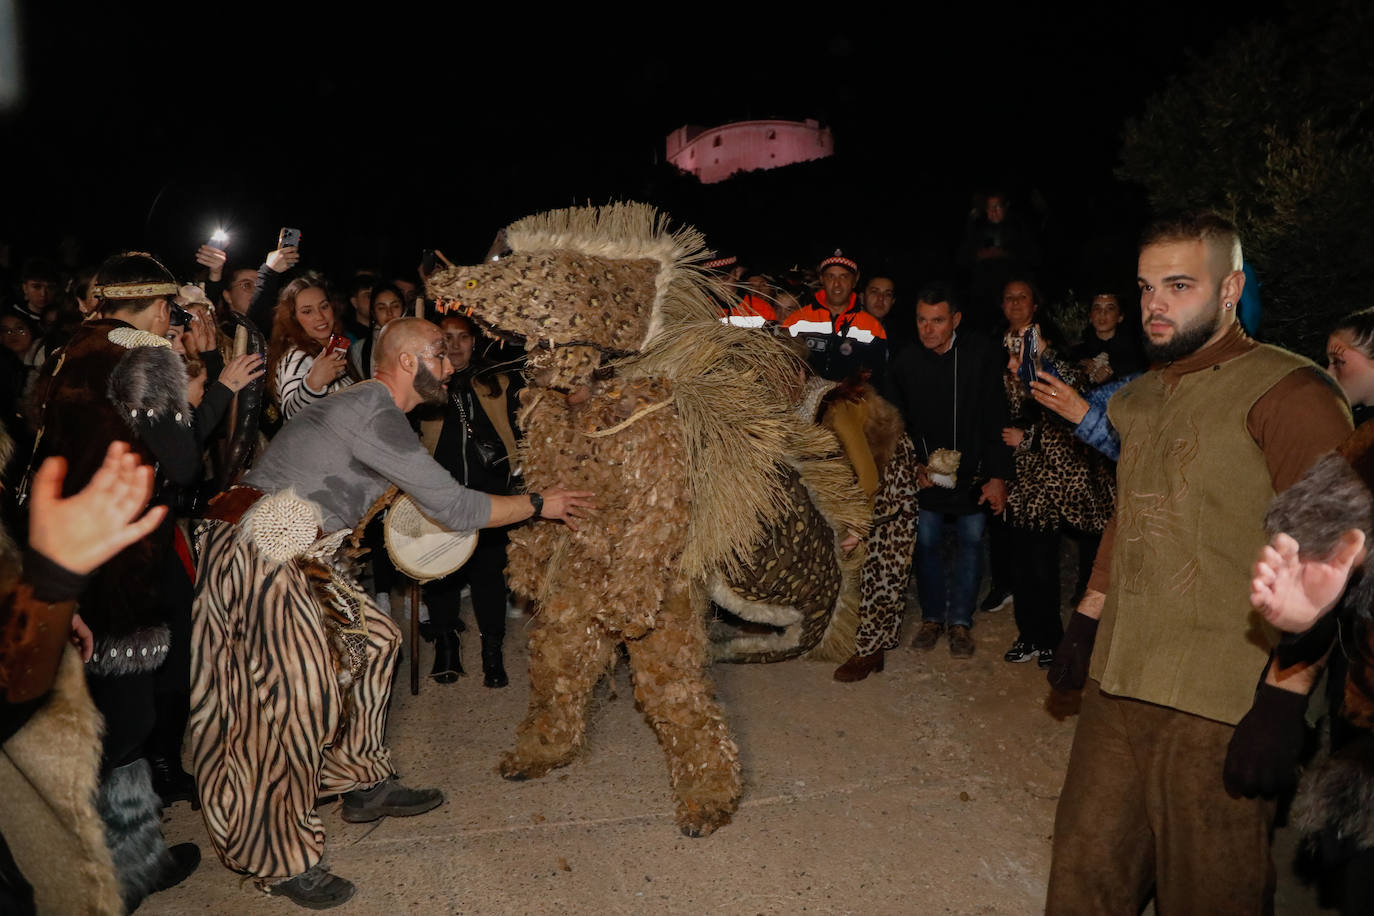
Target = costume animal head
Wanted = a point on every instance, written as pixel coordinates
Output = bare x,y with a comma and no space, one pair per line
584,285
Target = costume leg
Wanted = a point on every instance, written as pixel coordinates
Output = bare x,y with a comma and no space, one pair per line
887,568
1212,849
359,757
677,697
132,814
264,703
568,655
1103,859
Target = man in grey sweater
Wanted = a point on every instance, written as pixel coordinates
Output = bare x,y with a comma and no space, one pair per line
292,662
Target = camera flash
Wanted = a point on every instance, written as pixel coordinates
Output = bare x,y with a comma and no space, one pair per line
220,236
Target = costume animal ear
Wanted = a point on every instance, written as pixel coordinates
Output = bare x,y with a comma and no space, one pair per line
1358,449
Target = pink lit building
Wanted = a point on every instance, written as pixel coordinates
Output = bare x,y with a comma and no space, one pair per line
715,153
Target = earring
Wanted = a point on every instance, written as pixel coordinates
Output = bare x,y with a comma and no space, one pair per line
1228,305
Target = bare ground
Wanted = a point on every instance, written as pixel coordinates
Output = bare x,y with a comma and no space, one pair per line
928,788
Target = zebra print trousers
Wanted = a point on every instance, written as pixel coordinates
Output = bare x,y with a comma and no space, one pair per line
266,708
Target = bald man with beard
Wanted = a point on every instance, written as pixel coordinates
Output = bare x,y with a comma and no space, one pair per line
286,704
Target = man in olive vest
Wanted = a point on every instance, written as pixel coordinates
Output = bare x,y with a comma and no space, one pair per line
1216,427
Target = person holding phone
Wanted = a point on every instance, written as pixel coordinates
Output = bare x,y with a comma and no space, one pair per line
1060,483
306,360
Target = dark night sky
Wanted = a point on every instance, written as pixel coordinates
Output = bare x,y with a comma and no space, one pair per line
381,135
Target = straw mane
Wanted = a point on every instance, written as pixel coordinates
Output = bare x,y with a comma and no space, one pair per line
732,388
631,231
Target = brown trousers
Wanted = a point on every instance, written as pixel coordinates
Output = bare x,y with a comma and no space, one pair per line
1143,805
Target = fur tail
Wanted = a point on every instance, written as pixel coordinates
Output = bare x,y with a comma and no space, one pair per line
132,813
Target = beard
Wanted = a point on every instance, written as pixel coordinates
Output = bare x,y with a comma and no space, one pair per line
1187,339
428,386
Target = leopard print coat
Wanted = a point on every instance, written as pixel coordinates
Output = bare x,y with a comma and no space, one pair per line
1059,480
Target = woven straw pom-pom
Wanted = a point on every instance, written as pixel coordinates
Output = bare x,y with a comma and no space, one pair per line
282,526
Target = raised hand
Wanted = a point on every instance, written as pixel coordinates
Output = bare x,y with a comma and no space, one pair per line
1054,394
91,526
213,258
283,259
241,370
1291,591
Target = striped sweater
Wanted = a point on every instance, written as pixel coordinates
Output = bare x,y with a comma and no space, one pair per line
293,393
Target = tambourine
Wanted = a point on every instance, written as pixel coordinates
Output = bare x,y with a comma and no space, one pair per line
421,547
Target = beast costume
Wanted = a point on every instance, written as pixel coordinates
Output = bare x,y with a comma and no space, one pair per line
112,382
1205,443
291,659
707,484
1334,806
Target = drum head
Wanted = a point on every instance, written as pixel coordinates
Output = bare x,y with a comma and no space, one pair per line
422,548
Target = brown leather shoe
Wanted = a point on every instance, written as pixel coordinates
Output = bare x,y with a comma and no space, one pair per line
960,642
859,667
928,635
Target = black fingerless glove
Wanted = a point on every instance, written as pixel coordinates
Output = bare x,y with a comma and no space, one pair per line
1262,758
1075,652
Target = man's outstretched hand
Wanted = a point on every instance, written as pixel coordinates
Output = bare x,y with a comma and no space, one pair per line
567,506
86,529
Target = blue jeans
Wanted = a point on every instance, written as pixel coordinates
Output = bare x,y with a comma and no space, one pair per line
950,603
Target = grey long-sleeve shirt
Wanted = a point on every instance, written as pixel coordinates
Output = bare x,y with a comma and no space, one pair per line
344,451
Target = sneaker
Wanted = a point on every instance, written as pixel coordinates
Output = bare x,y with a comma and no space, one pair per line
928,635
388,799
1046,658
1020,651
316,889
960,642
997,599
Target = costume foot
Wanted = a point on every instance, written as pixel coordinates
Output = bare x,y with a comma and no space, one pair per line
517,770
185,860
703,819
388,799
315,889
859,667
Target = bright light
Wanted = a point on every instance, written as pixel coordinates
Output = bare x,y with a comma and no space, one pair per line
220,237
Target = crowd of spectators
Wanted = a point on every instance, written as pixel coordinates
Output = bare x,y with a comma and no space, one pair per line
1003,408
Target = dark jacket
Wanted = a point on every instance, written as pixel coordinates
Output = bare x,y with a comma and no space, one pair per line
112,382
926,387
1124,352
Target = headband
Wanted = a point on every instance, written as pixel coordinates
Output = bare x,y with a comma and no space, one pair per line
134,290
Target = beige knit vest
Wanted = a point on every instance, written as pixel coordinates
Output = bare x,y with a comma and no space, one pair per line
1192,491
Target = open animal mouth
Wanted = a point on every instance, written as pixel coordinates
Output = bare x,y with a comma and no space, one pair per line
456,307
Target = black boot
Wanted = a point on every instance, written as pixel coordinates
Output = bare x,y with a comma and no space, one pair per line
447,665
493,668
172,783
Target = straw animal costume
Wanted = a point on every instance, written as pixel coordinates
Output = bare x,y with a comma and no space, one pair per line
682,427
